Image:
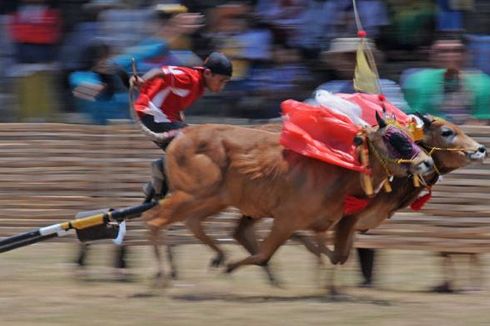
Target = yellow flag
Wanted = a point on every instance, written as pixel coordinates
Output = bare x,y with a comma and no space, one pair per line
365,79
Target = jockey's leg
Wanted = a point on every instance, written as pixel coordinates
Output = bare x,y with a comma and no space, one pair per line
157,188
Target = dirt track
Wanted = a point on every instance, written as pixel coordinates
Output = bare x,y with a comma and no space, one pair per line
39,287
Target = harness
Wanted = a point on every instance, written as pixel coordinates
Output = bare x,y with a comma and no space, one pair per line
384,161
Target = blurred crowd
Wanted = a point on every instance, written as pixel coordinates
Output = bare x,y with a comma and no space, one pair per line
69,60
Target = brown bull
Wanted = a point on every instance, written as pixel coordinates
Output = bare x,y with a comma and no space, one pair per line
211,167
451,149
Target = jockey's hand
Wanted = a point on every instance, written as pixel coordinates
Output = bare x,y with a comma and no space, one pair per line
136,81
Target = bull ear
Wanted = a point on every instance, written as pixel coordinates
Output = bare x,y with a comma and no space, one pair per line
427,122
381,122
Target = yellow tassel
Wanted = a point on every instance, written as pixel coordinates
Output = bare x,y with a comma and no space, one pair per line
416,181
367,183
416,132
387,185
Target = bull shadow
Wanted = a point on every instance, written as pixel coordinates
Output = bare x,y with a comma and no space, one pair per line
317,298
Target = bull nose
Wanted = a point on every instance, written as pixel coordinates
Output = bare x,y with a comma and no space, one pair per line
426,166
482,149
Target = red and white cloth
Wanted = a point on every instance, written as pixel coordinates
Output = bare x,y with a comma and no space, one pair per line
167,96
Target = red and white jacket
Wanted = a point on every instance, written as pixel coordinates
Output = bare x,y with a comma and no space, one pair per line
165,97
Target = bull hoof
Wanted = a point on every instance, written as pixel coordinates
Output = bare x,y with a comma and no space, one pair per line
276,283
443,288
230,268
160,281
218,261
173,275
336,296
366,284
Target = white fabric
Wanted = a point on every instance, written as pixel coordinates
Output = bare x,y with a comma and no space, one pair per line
341,106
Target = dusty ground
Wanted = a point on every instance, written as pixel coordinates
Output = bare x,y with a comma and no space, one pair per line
38,287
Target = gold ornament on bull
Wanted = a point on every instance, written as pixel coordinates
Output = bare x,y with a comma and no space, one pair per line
416,132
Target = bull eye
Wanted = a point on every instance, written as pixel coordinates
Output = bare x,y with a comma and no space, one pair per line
446,132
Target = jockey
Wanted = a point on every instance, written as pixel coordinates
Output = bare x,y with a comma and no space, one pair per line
165,93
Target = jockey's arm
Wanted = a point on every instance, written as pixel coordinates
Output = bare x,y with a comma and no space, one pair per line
153,73
137,81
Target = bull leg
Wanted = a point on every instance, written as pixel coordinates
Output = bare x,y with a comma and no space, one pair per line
194,224
448,272
278,235
176,207
343,242
476,272
156,240
366,261
311,244
245,235
171,260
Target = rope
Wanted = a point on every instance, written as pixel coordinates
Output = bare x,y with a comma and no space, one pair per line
153,136
361,33
380,158
356,16
434,149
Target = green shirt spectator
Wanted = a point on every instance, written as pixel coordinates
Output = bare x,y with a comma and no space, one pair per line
425,92
448,90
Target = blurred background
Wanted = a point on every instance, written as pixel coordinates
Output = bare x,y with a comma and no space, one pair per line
280,49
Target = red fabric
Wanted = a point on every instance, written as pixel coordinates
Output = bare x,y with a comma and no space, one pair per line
166,97
370,104
353,205
421,201
320,134
42,26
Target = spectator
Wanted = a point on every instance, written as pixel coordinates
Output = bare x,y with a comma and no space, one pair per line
450,14
449,90
99,86
341,20
97,83
341,61
35,28
412,25
285,78
236,35
247,43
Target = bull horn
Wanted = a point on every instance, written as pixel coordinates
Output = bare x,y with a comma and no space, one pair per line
381,122
427,122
